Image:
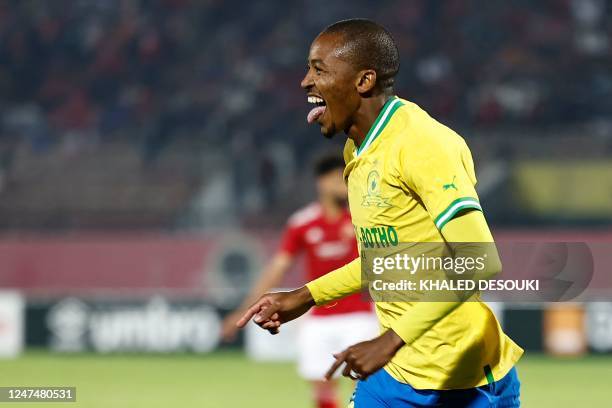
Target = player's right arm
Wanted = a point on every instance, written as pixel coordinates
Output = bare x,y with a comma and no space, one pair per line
337,284
274,309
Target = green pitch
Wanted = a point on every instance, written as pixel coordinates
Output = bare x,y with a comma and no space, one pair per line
228,379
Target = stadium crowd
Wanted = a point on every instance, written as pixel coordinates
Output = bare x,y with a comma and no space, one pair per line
75,74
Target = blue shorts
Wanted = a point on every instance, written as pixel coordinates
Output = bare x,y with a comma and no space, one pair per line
380,390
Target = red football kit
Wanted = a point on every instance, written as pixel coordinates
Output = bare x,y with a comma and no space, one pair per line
328,245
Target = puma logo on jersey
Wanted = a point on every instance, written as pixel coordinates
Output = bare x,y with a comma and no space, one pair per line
450,185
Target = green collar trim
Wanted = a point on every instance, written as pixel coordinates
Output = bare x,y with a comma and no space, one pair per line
379,124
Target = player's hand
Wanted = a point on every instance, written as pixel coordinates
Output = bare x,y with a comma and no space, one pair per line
365,358
274,309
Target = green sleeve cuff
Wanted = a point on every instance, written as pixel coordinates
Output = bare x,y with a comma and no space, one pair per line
454,207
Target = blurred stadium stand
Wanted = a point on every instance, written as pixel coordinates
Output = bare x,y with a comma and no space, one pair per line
178,114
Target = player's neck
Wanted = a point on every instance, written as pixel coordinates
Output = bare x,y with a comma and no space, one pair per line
331,210
366,115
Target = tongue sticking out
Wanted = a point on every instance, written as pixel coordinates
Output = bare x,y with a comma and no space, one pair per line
315,113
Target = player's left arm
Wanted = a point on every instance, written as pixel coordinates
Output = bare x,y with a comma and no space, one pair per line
466,233
469,237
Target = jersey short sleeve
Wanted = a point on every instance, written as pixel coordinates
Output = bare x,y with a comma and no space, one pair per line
437,165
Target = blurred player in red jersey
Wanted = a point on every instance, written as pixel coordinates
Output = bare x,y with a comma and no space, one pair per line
324,232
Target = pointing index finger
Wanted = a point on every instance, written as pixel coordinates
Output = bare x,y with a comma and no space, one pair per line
340,358
251,311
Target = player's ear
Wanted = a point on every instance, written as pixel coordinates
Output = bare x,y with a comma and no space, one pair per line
366,80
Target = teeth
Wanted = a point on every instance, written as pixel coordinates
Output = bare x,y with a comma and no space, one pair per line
314,99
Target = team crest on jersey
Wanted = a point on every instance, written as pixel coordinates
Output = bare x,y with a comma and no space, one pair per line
373,197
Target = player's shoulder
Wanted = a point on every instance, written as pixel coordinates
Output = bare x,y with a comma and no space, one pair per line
419,130
305,215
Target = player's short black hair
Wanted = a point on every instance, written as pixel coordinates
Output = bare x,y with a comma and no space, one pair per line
369,45
327,163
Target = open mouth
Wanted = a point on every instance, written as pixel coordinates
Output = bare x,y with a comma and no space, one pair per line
319,109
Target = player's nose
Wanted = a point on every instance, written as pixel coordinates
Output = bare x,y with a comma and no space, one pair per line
307,81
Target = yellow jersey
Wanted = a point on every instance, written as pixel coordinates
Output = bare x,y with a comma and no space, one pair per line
409,177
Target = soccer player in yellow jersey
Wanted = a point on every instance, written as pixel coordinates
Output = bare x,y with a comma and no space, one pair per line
410,179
